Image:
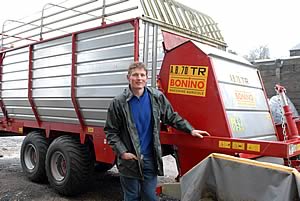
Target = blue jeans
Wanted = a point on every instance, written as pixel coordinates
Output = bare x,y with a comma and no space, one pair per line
136,189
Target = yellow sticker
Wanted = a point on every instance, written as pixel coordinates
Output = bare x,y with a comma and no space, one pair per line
21,130
238,145
253,147
188,80
236,124
224,144
90,129
298,147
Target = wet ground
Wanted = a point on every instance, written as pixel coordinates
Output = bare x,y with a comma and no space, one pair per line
14,186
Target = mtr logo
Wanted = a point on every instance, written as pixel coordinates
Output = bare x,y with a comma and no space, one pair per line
188,80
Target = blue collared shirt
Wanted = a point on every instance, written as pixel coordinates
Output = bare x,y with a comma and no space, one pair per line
141,113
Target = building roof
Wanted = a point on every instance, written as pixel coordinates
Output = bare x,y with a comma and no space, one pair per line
297,47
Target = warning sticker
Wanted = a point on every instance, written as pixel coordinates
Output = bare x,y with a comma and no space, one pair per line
188,80
224,144
253,147
238,145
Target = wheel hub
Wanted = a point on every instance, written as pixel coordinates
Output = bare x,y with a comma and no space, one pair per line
58,166
30,156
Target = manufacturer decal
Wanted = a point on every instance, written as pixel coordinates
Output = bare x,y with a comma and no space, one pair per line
188,80
244,98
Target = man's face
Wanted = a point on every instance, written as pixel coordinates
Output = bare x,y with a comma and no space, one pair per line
137,79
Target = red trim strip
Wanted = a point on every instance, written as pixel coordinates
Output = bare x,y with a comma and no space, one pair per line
136,39
73,81
211,143
269,109
30,99
2,56
53,126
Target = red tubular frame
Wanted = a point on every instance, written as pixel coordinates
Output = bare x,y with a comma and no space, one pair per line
136,39
73,82
293,131
264,90
292,127
211,143
2,55
30,99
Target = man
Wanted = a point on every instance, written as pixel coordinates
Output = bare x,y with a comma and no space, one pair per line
132,130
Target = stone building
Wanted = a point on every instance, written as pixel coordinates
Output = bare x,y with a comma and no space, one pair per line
295,51
283,71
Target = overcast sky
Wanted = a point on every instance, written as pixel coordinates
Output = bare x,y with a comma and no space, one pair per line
245,24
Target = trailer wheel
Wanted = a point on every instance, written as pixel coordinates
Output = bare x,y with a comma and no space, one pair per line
68,165
33,155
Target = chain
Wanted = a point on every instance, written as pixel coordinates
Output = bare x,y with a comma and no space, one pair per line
283,126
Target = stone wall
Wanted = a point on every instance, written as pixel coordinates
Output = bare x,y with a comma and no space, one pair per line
294,53
285,72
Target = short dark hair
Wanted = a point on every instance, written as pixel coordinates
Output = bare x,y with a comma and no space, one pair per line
135,65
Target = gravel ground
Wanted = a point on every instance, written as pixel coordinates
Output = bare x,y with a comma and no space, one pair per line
14,186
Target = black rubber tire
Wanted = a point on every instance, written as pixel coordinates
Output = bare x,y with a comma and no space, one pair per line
69,165
33,156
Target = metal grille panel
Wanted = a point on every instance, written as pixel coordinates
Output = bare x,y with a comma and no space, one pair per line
52,80
15,84
103,59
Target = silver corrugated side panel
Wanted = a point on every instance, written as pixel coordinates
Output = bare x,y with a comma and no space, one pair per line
102,61
15,83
